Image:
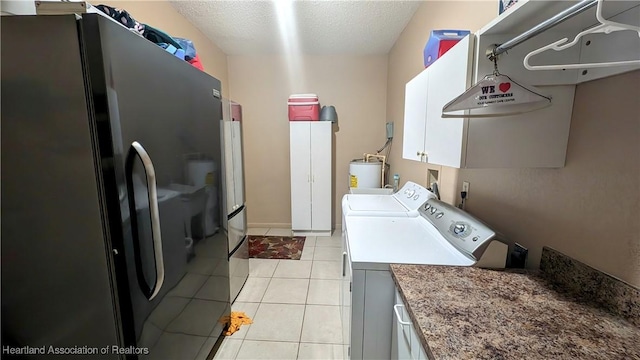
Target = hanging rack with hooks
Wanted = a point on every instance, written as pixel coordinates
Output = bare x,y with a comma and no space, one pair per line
602,50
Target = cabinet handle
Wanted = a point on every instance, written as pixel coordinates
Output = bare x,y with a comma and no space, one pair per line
395,309
344,263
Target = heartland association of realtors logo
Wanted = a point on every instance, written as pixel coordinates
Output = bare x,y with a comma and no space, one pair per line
74,350
491,96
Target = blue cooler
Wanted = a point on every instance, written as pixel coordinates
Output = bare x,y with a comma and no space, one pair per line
440,42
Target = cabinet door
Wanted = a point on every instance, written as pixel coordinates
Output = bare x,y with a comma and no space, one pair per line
415,109
400,340
357,319
449,77
378,315
345,301
300,153
321,175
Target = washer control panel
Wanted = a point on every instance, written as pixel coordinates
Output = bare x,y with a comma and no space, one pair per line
465,232
413,195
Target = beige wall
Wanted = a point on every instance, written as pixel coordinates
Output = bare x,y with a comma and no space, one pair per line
355,85
406,61
590,209
161,15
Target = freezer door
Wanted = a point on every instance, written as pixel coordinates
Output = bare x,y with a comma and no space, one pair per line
227,160
145,98
57,267
239,267
233,158
238,162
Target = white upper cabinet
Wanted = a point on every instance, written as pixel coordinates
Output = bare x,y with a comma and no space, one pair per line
415,118
536,139
444,138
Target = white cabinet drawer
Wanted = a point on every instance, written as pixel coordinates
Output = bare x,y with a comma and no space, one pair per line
407,344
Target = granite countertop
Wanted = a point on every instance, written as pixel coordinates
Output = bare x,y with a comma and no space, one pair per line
472,313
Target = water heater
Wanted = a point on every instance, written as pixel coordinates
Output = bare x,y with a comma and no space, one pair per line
367,175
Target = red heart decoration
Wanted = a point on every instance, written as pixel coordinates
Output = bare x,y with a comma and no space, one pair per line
504,87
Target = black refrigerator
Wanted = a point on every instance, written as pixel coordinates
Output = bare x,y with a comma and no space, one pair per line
100,131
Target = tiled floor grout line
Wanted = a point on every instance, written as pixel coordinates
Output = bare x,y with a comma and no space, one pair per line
291,342
235,356
306,304
304,312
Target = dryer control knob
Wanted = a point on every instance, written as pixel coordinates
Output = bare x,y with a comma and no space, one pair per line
459,228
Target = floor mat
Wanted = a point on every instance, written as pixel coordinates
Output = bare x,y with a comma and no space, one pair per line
276,247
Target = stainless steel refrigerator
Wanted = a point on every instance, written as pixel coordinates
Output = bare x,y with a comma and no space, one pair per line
97,124
233,203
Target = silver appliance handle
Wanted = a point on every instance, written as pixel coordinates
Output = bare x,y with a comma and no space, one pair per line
155,217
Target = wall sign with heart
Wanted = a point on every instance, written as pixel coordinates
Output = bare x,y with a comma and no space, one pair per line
504,87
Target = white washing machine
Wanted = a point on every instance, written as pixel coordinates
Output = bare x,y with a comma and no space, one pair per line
440,235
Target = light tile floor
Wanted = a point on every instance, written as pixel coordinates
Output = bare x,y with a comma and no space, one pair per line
294,305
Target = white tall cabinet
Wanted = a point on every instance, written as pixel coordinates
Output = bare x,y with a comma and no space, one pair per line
310,156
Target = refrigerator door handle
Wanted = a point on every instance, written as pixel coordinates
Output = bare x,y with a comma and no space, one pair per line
155,218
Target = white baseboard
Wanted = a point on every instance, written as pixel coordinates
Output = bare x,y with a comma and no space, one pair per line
269,225
281,226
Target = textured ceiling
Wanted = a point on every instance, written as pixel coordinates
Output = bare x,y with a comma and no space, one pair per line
309,27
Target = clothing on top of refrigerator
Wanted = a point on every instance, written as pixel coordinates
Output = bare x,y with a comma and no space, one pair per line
179,47
158,36
123,17
177,52
188,47
196,62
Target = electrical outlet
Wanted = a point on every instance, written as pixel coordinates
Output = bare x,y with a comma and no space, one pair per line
518,257
465,187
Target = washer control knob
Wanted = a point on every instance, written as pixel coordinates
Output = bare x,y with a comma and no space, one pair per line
439,215
475,238
459,228
433,210
427,206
